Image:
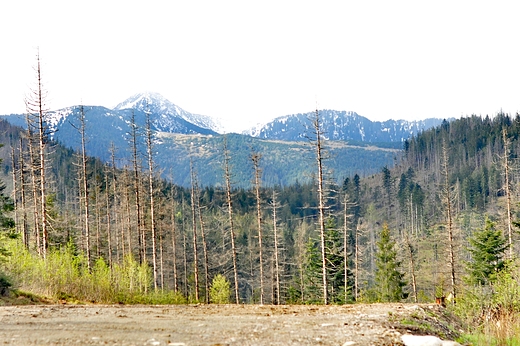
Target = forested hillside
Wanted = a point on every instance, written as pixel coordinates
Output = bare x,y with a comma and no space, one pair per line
413,232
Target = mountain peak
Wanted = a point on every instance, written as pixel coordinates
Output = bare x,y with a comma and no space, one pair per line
156,103
137,101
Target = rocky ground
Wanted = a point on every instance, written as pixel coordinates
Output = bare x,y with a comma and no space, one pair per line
357,324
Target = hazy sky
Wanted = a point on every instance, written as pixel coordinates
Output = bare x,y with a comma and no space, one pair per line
250,61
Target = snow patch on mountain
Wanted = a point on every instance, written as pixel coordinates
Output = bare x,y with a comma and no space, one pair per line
340,125
155,103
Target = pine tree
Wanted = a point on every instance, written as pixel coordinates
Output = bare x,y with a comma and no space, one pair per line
389,280
487,249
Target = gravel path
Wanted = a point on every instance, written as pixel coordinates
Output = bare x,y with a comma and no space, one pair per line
359,324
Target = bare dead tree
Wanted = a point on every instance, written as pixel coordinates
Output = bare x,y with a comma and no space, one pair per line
108,219
276,257
14,175
204,242
318,146
137,187
83,178
115,204
149,149
411,258
194,228
507,190
126,196
174,242
255,157
34,183
346,218
23,200
449,218
37,112
356,262
227,177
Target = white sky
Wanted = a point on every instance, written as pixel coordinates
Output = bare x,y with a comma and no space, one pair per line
251,61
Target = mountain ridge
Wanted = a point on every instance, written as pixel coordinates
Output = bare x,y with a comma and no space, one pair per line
342,125
175,137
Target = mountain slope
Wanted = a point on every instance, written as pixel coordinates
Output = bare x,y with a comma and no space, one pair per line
342,126
168,113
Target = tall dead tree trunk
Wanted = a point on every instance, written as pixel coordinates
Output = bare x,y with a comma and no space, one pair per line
84,183
137,188
321,202
34,183
276,258
204,242
227,177
255,157
36,109
126,196
507,190
194,228
149,147
346,215
411,251
356,263
108,218
174,242
14,175
449,219
115,200
23,200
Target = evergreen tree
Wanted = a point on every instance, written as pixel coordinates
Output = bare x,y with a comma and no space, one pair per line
389,280
487,248
334,269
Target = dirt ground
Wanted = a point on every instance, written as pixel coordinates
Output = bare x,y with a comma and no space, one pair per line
374,324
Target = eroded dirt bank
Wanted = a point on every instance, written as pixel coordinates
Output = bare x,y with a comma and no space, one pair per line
374,324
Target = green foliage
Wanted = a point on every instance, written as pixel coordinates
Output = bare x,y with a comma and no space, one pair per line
220,290
65,275
493,310
389,280
487,247
335,267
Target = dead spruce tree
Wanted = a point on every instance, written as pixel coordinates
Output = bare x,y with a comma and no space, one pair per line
507,189
255,157
194,228
449,217
151,163
83,179
203,237
227,178
276,256
37,110
136,170
318,147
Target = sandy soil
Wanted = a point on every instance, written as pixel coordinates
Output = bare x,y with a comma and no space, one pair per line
374,324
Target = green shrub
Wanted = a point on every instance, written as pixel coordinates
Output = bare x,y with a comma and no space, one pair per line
220,290
64,275
493,310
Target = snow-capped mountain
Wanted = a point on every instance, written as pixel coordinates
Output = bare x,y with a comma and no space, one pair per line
340,125
167,111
